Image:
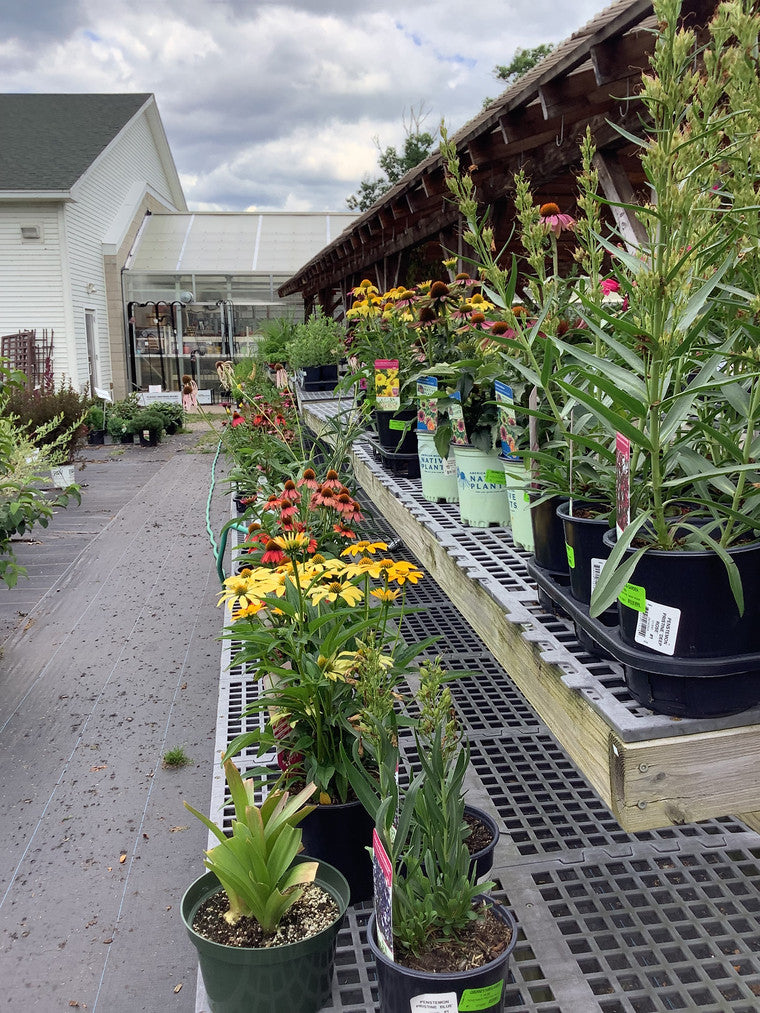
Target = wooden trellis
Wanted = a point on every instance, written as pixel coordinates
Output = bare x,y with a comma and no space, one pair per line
32,355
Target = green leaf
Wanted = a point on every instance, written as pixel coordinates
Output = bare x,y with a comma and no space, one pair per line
616,572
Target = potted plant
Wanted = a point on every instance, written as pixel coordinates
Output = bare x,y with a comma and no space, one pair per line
316,348
470,429
120,427
437,933
96,426
173,416
263,919
303,620
148,423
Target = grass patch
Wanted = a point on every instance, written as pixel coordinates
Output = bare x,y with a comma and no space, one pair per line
175,758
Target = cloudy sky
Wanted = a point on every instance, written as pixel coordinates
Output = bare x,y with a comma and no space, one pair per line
274,106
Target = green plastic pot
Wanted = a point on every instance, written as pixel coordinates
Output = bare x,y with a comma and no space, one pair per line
438,474
296,977
482,487
518,497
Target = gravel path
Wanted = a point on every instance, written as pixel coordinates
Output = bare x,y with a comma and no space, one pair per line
110,657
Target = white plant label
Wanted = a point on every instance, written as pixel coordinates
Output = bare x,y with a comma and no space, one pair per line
596,569
446,1002
658,627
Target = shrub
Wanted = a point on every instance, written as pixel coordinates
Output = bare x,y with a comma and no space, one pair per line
35,410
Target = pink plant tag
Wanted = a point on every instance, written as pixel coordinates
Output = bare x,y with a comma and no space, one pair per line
382,870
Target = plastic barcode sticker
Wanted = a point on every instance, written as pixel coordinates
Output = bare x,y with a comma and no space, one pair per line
658,627
596,569
443,1002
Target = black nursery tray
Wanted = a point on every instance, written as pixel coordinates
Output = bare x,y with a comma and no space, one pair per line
397,464
681,687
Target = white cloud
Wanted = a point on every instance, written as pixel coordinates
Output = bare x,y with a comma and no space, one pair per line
277,104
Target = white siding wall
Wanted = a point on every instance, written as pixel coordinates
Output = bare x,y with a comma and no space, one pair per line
31,277
98,199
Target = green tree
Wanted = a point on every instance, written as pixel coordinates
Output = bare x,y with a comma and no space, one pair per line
393,163
523,61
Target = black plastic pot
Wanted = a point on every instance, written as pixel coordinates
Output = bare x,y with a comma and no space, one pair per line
483,859
149,438
320,377
396,431
96,437
694,687
481,988
340,834
127,438
583,544
696,583
548,535
296,977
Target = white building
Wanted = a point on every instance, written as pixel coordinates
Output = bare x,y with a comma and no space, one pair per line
77,175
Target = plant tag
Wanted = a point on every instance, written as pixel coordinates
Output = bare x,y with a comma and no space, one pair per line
570,556
505,410
474,999
386,385
634,596
623,482
382,874
427,414
596,570
496,477
458,430
442,1002
658,627
399,425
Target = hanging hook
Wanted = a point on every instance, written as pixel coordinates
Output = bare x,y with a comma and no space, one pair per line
558,140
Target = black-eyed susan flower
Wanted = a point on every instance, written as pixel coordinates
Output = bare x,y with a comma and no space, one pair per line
364,548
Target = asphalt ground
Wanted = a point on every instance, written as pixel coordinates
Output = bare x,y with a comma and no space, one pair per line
110,657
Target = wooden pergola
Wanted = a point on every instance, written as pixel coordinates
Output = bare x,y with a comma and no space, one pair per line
537,124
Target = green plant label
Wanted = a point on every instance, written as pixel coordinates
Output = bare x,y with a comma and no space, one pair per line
399,425
634,596
570,556
474,999
496,477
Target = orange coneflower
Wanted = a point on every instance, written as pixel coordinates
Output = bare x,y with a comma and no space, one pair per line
273,553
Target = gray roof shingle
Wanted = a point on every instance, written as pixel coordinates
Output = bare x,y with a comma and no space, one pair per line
48,141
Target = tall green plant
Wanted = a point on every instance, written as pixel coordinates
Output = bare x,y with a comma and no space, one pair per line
255,866
676,373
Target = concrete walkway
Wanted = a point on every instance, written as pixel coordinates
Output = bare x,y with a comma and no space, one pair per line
111,658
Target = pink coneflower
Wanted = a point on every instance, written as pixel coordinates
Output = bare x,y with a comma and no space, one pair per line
287,511
344,531
309,479
332,480
289,491
237,419
322,497
555,221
